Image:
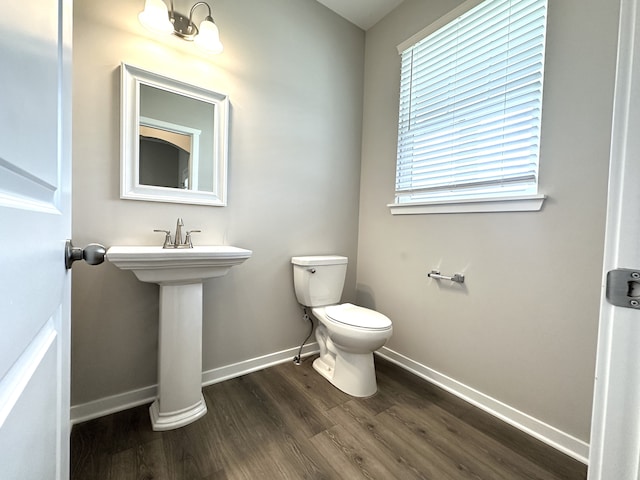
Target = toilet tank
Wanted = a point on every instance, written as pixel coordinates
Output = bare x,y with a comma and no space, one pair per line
319,279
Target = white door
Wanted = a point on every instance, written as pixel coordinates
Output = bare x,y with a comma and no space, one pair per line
615,431
35,221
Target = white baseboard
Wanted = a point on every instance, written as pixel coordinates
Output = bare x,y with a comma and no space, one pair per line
112,404
557,439
234,370
123,401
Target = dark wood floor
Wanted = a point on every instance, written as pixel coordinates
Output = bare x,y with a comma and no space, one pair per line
287,422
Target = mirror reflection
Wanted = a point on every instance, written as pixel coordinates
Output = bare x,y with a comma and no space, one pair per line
174,144
171,159
165,158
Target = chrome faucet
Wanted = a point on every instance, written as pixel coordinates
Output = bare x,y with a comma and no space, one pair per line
177,239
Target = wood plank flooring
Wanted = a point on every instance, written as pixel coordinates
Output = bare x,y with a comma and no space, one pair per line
287,422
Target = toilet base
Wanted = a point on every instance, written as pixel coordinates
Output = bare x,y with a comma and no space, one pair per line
353,373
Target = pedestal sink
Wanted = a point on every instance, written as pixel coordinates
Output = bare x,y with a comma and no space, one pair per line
180,273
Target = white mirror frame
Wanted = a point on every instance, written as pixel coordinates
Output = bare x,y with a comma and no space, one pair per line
130,187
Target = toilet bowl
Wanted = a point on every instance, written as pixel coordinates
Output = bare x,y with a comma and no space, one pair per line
347,334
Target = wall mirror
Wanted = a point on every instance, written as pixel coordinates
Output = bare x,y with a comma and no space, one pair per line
173,140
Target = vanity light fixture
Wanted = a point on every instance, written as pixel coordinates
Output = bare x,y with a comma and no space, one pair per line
159,19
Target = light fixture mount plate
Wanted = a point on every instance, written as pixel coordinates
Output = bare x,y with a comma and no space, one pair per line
183,28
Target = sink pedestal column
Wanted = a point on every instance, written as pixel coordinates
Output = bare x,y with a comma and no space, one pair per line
180,399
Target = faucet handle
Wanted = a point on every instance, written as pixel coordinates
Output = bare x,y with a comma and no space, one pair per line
167,238
187,240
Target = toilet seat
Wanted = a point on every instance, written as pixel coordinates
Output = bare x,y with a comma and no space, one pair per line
354,316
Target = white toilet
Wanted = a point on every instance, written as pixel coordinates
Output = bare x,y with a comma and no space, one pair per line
347,334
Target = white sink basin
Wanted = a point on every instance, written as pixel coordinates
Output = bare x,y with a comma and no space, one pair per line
155,264
180,273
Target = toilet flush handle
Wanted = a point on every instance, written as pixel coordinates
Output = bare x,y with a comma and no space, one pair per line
311,270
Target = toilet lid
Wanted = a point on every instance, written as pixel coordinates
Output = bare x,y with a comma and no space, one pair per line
357,316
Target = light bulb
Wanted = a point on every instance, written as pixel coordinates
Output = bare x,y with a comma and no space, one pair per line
155,17
208,37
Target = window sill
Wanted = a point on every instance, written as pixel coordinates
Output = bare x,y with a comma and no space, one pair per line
531,203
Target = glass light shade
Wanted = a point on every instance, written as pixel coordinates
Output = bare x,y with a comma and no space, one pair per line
208,38
155,17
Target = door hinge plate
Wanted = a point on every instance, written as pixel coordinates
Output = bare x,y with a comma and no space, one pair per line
623,287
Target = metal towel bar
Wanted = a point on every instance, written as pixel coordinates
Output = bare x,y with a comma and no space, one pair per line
457,277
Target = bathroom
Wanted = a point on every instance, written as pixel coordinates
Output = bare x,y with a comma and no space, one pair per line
312,144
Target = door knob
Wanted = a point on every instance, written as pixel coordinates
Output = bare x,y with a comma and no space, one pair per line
93,254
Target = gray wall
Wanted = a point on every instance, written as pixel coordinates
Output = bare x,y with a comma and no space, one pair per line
523,328
294,74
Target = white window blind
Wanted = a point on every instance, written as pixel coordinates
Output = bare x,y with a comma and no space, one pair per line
470,105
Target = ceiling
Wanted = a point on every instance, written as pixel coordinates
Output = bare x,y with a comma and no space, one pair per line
363,13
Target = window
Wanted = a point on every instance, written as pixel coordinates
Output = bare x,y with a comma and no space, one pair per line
470,106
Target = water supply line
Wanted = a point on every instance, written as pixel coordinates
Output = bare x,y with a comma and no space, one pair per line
298,358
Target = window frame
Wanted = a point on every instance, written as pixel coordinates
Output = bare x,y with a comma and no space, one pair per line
492,203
